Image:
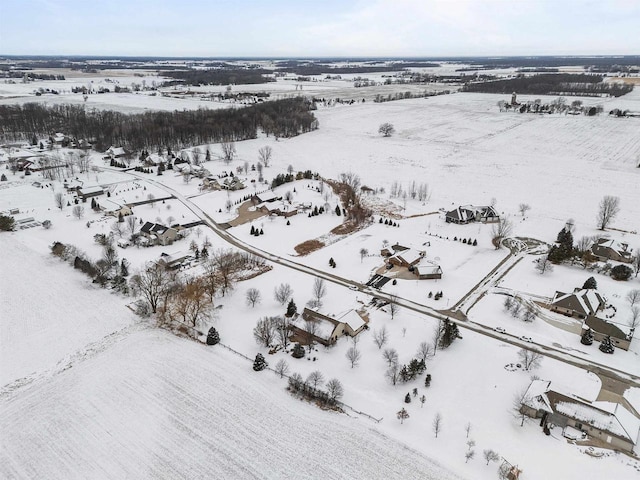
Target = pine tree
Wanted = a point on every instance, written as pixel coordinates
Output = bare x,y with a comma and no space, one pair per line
606,346
449,333
213,337
124,268
204,253
292,309
587,337
259,363
253,230
3,178
427,380
590,284
407,398
298,351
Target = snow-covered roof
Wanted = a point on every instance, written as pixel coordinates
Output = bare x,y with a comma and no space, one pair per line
116,151
267,196
619,421
91,189
352,319
154,158
605,416
109,205
427,267
409,256
323,329
585,301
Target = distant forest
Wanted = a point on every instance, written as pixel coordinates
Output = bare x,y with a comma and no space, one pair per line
217,77
552,84
150,130
321,69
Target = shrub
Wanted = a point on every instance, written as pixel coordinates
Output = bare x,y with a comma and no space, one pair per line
621,272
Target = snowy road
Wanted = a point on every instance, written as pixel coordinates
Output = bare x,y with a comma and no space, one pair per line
471,297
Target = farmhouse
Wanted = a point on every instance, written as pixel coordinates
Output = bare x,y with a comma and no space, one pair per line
607,249
581,303
469,213
325,328
610,423
158,234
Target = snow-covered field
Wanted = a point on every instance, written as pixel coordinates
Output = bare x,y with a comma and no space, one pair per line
157,406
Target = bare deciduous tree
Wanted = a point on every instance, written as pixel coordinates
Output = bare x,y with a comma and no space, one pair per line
131,224
530,360
517,411
490,456
189,303
633,297
282,367
265,331
334,389
386,129
226,263
607,210
363,253
390,355
315,379
634,319
228,151
436,425
353,355
282,293
380,337
394,308
283,330
523,208
500,231
78,211
151,283
264,155
543,265
253,296
393,373
635,261
467,428
319,290
310,331
424,351
58,198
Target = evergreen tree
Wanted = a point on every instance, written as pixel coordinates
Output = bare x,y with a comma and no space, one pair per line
253,230
587,337
448,333
213,337
204,253
3,178
298,351
407,398
606,346
261,232
590,284
7,223
259,363
292,309
124,268
427,380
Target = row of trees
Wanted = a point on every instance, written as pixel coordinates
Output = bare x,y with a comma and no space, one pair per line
551,84
283,118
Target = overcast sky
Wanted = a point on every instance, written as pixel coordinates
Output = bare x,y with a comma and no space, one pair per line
215,28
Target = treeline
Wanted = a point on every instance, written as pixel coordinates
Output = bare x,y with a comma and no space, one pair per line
150,130
30,75
217,77
330,70
551,84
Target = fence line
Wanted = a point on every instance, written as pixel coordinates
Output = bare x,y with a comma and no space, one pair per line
282,375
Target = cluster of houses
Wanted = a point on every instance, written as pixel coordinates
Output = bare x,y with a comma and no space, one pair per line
606,423
585,304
